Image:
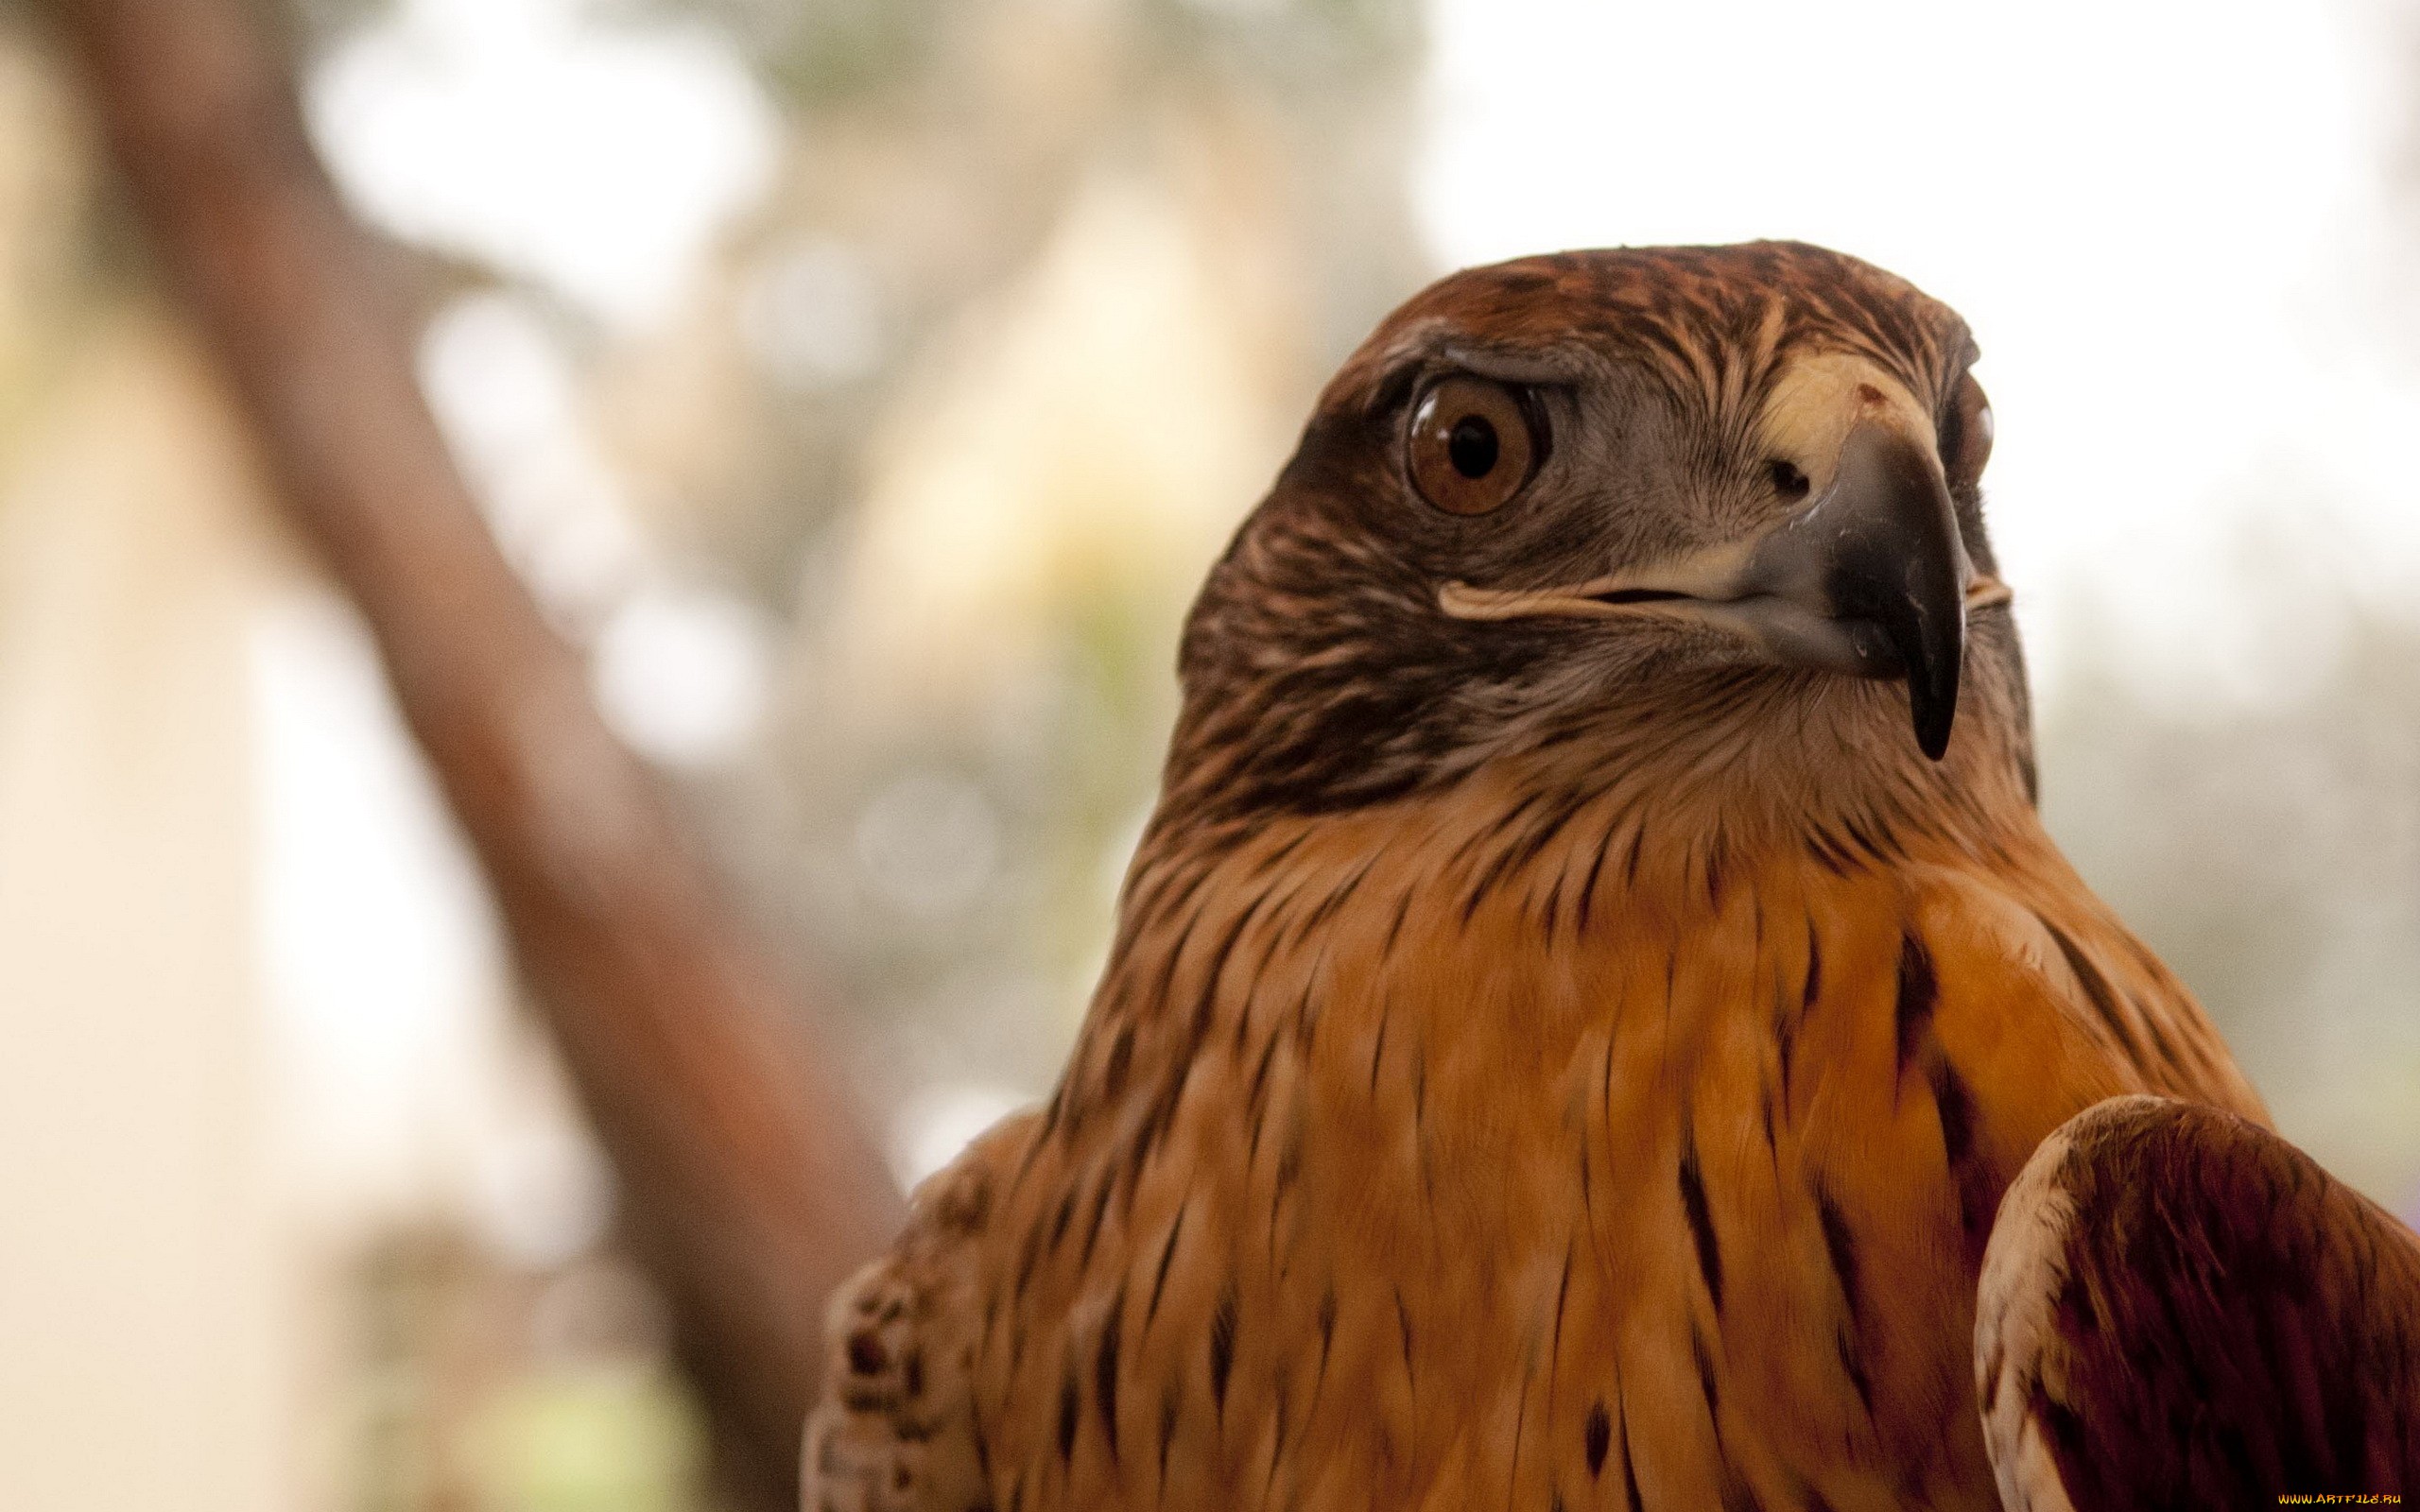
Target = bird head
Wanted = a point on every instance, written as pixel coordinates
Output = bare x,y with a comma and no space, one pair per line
1614,494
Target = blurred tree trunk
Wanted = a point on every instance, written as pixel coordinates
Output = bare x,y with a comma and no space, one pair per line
747,1187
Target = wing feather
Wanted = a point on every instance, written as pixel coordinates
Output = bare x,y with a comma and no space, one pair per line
896,1429
2180,1309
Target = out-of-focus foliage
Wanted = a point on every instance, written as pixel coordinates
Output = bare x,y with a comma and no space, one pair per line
956,417
2270,853
481,1388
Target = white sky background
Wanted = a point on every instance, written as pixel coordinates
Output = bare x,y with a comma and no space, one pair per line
2166,223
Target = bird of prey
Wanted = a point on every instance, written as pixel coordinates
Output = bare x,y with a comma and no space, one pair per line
1593,972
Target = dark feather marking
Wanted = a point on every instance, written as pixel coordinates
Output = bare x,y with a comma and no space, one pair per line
1707,1382
1693,1205
1596,1435
1242,1036
1168,1436
1587,1184
1167,1253
1506,861
1840,1243
1206,1006
1033,1148
1378,1050
1277,858
1058,1224
1163,990
1879,852
1588,889
1588,1210
1554,1351
1121,1055
1608,1078
1542,835
1394,930
1335,900
1503,821
1051,1112
1213,976
1290,1166
1138,1154
1068,1396
2164,1047
1402,1327
1919,994
1504,865
1223,1346
1177,902
1277,1444
1105,1371
1784,1039
1328,1342
1101,1215
1977,1187
1854,1368
1162,1116
2103,997
1737,1495
1253,1101
1306,1022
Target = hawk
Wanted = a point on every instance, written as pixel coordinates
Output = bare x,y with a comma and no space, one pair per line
1593,970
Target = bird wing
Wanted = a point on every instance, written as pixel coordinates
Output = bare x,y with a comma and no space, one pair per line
895,1430
2180,1309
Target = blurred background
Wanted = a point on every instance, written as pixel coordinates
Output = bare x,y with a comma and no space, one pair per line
862,387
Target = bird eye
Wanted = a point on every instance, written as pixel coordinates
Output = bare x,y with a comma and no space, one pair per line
1966,434
1470,446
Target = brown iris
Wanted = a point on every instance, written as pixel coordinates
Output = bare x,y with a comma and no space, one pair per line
1471,447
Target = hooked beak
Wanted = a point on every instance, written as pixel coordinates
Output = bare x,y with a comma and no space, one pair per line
1870,580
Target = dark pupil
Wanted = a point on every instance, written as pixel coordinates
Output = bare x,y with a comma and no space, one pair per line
1471,446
